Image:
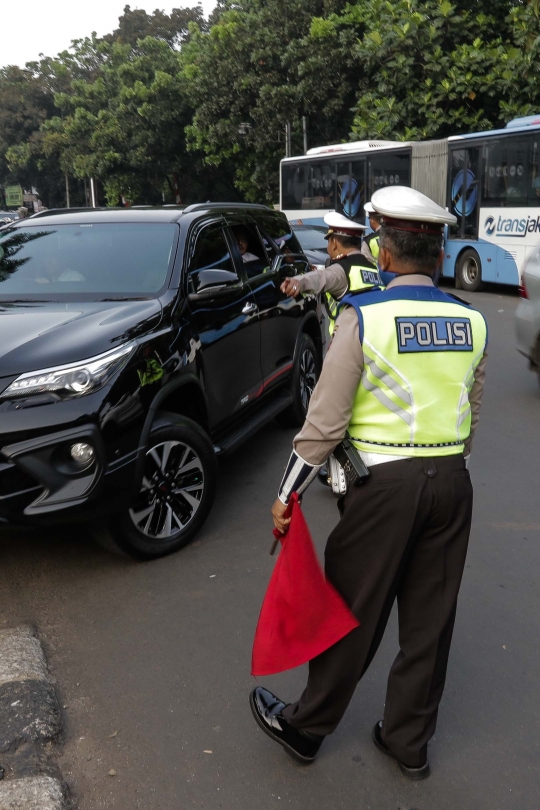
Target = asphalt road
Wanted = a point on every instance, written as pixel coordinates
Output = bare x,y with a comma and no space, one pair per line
152,660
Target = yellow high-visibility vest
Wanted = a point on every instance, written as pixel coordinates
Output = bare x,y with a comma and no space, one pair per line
421,350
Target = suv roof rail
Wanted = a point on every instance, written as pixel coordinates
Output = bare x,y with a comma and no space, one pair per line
203,206
55,211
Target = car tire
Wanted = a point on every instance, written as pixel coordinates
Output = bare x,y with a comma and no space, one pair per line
306,370
469,271
177,491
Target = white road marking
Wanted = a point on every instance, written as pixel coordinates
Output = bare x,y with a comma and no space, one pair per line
21,657
32,793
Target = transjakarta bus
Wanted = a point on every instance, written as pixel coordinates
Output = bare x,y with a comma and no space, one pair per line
489,180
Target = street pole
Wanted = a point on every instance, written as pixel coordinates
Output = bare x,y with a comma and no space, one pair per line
288,141
304,131
93,192
68,202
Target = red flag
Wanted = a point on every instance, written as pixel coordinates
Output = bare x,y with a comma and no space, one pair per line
302,614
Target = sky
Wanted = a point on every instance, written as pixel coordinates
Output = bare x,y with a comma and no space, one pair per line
31,27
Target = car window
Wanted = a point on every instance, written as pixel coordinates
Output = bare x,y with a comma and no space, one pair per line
97,259
211,253
256,256
278,228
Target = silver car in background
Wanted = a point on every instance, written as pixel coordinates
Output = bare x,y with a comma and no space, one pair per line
528,313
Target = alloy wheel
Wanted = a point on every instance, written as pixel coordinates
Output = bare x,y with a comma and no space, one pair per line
172,490
308,377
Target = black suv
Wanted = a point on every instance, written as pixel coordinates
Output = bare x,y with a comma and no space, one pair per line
135,347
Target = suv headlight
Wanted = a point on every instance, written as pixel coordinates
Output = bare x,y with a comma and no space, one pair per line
73,380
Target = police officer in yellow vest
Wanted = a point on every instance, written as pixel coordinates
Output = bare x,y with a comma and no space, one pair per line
404,378
370,243
348,270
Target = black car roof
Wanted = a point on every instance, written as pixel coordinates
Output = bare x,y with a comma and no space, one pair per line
78,216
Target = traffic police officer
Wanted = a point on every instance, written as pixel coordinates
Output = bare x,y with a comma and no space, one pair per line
404,376
348,271
370,243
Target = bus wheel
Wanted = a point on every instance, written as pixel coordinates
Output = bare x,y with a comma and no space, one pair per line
469,271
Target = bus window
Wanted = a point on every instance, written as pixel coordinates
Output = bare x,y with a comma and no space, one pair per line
534,173
308,186
343,179
388,169
357,194
321,189
350,189
294,181
464,192
505,172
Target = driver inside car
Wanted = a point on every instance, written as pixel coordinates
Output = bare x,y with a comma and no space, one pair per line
243,244
53,272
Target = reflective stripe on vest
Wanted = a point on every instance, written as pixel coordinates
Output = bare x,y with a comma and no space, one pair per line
421,349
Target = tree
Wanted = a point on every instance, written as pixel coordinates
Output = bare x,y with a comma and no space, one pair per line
248,76
127,127
171,28
433,68
26,102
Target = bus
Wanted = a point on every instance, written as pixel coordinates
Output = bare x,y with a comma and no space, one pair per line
489,180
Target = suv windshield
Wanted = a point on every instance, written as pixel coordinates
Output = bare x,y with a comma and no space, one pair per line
116,259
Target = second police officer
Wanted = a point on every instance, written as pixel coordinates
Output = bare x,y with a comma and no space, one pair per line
347,269
404,378
370,243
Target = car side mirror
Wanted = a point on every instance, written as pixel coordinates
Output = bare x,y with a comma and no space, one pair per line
213,278
290,264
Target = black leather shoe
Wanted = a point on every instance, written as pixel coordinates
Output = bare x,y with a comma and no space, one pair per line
416,774
267,711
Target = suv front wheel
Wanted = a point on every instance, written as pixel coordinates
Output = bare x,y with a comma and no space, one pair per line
176,494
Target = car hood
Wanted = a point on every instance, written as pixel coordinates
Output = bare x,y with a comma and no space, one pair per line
43,334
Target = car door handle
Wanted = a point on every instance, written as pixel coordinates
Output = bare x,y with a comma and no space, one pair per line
249,308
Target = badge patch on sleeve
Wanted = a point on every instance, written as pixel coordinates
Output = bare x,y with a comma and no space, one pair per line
371,277
434,334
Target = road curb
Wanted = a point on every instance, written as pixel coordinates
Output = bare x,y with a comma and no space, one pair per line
29,710
32,793
30,720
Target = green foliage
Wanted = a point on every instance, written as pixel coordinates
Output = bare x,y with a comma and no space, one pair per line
178,108
253,72
433,68
171,28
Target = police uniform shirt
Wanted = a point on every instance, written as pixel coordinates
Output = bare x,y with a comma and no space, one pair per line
332,279
331,405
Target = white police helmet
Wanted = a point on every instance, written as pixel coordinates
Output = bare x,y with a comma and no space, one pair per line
339,225
407,209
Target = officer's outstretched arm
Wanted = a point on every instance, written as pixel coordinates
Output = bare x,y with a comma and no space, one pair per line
332,279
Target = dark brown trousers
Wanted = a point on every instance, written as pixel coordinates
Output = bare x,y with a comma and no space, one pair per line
403,534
